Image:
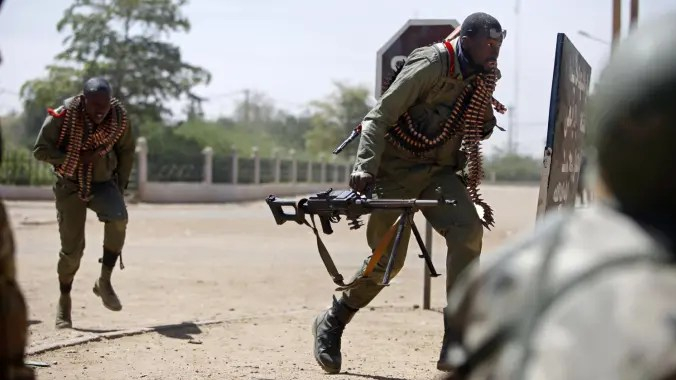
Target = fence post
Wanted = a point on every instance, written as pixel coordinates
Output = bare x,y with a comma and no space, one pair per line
142,166
294,166
257,165
235,165
336,169
278,165
322,175
207,175
309,171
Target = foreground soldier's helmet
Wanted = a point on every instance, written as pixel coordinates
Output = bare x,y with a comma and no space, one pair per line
632,119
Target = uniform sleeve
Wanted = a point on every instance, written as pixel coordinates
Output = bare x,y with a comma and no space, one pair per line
45,148
422,70
125,149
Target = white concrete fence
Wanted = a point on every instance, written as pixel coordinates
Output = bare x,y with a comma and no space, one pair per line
241,185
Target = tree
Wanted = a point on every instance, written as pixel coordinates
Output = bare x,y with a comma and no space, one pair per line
336,116
124,41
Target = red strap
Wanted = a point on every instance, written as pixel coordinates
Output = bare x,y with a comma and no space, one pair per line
451,54
56,114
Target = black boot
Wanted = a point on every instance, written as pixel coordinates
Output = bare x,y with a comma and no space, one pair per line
328,330
102,287
63,319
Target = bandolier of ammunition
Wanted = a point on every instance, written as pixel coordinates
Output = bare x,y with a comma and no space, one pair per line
467,120
78,135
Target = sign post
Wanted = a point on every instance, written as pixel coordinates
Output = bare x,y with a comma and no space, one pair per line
414,34
566,128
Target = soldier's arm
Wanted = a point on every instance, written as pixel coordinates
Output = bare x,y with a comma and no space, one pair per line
421,71
125,148
45,148
490,122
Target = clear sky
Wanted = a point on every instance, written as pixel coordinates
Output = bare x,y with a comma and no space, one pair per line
294,49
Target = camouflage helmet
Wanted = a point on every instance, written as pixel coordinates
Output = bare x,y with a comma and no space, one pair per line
631,116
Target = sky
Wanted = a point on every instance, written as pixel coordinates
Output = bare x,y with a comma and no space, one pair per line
294,50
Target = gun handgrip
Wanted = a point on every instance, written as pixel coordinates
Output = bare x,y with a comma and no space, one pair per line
326,225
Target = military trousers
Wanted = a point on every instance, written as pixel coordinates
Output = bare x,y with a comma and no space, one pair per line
459,225
13,310
107,201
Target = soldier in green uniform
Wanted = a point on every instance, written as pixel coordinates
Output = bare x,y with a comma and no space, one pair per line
13,310
90,143
591,294
421,134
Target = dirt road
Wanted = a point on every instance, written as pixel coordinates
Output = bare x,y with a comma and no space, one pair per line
245,289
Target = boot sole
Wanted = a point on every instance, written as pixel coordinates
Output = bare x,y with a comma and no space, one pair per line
96,291
64,325
316,355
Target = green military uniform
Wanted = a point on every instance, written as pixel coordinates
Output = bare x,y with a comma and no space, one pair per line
110,176
13,310
13,313
427,90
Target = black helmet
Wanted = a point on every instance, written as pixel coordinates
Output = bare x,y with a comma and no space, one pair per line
632,119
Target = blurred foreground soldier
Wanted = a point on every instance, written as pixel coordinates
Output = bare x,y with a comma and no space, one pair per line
89,141
424,130
13,311
592,294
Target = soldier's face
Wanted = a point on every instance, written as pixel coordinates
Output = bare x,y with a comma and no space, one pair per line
484,51
97,106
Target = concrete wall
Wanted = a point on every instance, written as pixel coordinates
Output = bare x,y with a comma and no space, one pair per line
182,192
205,191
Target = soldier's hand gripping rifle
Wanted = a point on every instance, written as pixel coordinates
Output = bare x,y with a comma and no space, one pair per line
330,205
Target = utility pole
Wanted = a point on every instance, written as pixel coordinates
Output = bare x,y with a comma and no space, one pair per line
617,22
247,105
512,133
633,16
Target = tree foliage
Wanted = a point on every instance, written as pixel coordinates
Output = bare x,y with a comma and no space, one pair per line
125,41
334,117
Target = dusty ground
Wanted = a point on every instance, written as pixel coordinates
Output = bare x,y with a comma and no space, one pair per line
231,264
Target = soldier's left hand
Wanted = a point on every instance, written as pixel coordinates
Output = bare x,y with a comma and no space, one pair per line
361,181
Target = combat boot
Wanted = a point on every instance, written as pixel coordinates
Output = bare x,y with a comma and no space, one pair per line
327,330
63,319
102,287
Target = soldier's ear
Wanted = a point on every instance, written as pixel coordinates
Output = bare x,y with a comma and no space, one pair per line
466,43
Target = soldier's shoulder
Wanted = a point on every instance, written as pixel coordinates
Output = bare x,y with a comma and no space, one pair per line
60,111
430,53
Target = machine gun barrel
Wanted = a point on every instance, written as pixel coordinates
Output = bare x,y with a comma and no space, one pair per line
404,203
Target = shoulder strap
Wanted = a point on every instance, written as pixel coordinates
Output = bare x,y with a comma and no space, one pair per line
451,57
58,112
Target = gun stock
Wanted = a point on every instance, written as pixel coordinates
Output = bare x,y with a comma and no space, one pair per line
277,207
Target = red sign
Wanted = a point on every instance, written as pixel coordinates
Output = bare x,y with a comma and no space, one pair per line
414,34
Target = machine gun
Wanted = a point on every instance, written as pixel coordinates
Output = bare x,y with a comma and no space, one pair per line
330,205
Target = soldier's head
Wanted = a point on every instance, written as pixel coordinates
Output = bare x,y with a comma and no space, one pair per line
481,36
632,121
97,95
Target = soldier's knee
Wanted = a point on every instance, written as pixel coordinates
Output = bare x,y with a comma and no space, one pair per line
69,263
118,225
469,233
